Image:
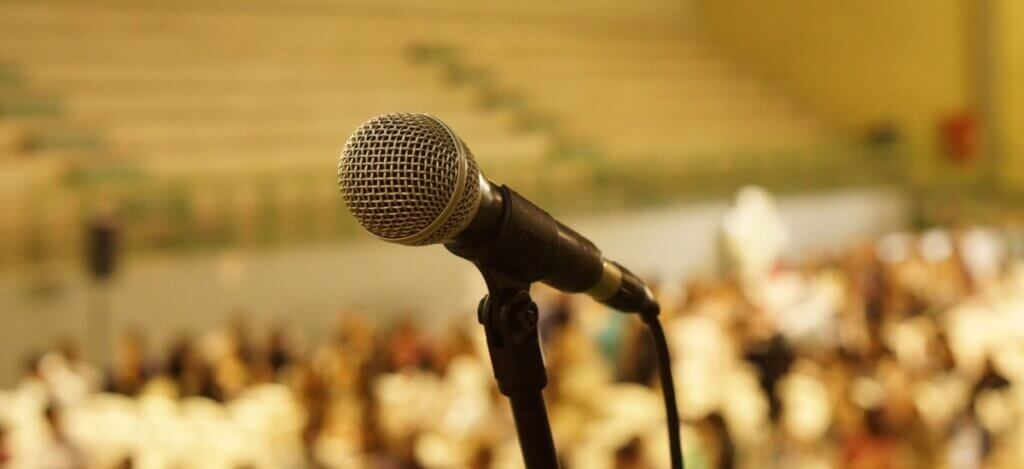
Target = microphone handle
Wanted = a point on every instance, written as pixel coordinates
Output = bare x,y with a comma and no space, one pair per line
512,235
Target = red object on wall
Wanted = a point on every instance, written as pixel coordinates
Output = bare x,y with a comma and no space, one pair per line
958,135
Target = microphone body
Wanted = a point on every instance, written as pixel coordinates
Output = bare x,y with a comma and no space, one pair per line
511,234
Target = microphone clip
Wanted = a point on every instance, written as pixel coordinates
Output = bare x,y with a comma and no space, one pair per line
510,319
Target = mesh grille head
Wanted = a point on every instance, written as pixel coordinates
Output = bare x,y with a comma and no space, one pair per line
408,179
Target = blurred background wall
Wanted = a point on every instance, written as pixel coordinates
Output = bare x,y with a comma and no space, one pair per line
906,64
910,64
1008,18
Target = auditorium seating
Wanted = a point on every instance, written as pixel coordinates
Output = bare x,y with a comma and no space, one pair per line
239,91
225,79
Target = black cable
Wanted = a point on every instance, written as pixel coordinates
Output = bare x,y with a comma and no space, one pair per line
668,389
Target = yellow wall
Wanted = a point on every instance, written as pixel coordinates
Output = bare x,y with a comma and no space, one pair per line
1009,34
860,61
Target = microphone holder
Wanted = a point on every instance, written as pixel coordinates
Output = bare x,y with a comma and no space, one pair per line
510,317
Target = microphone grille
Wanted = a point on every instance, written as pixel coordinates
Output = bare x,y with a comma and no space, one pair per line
408,179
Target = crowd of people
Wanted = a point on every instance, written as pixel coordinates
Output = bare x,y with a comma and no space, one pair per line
905,352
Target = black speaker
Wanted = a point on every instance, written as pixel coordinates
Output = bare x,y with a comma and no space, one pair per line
101,249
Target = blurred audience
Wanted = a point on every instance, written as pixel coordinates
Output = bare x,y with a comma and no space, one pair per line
903,353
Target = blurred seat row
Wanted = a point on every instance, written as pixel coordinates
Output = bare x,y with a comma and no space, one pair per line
236,87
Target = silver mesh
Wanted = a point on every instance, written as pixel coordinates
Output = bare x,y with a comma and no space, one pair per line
408,179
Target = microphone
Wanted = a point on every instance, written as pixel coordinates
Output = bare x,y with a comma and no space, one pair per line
409,179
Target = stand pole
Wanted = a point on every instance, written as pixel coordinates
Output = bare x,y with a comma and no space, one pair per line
509,317
98,323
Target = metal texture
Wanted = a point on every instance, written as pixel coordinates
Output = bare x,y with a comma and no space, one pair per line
408,179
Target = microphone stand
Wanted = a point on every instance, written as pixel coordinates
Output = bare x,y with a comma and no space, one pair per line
509,317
